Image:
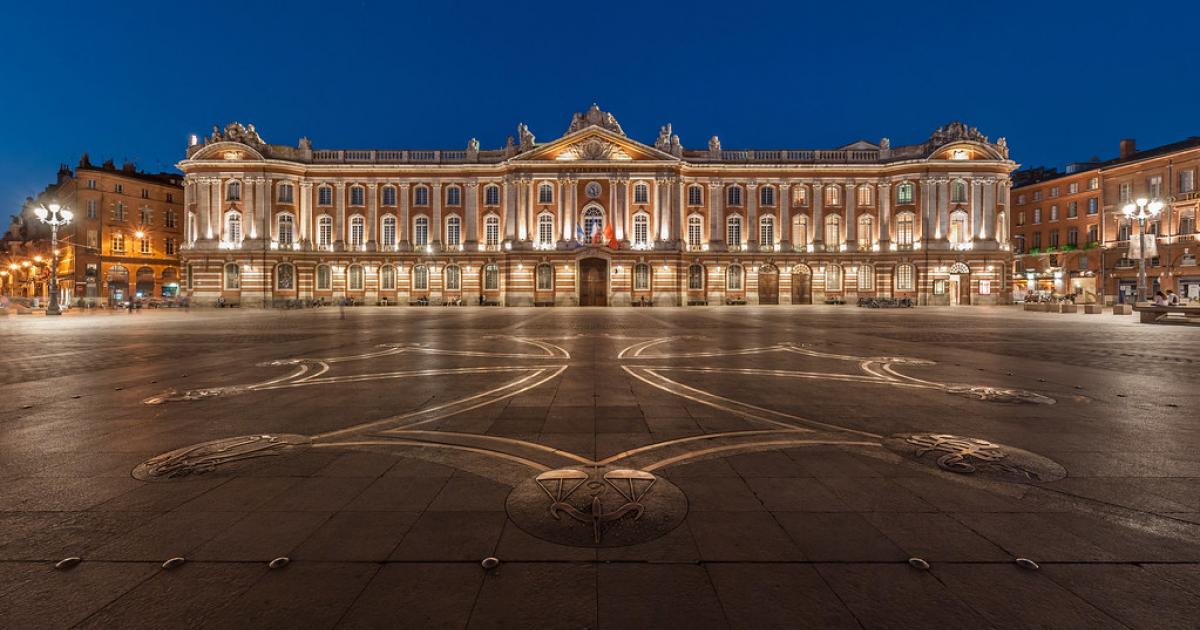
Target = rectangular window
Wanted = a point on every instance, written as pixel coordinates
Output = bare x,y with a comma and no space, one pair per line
1037,216
985,287
1092,233
1020,200
1093,183
695,196
1072,188
1054,212
169,246
1073,236
170,197
1021,218
904,278
119,211
1037,240
147,216
1072,209
145,193
119,188
1037,195
1187,181
1093,205
1154,185
145,246
733,235
91,184
169,219
491,232
93,239
286,193
90,204
905,194
491,196
1054,191
1054,238
1125,193
325,196
389,196
357,196
454,233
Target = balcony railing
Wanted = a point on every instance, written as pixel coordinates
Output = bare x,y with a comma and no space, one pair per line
355,156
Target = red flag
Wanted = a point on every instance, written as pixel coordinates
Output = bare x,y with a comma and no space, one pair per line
610,236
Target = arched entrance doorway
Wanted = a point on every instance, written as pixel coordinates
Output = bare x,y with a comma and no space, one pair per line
960,284
768,284
593,282
118,283
801,285
145,283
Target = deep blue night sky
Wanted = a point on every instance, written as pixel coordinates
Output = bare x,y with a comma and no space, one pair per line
1062,81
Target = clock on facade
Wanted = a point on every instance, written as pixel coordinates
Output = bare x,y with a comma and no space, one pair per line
593,189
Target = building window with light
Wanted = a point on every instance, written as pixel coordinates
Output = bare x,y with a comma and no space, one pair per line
833,230
491,230
387,232
800,230
145,245
387,278
357,196
453,231
833,278
766,230
641,193
1037,216
453,278
833,195
491,278
766,196
232,277
545,277
491,195
324,278
905,226
325,196
453,196
641,229
357,231
287,193
1125,193
863,195
325,231
421,196
1154,186
545,228
958,227
641,277
119,211
1054,212
904,278
285,277
904,193
545,192
421,278
233,191
695,278
866,278
734,196
733,278
695,195
800,195
733,231
355,277
169,218
593,223
421,231
695,231
866,230
958,191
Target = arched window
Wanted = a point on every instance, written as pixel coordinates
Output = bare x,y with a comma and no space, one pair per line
695,278
833,195
641,193
904,193
1002,228
233,191
800,195
866,230
232,277
904,278
387,232
421,231
420,278
734,196
357,230
641,229
545,192
453,196
387,278
958,191
866,278
491,195
695,230
491,277
766,196
641,277
593,223
325,231
766,230
800,230
453,230
325,196
695,195
864,195
733,278
545,277
421,196
389,195
833,230
358,196
286,193
144,286
733,230
545,228
905,224
833,278
285,229
233,227
958,227
324,278
491,230
354,278
453,278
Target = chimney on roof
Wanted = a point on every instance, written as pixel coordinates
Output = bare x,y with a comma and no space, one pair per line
1128,148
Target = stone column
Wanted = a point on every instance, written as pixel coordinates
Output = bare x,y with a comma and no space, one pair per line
560,199
436,228
372,216
943,209
511,193
716,198
851,219
784,202
203,215
405,225
925,224
678,226
249,205
339,226
622,205
471,238
818,217
883,229
752,216
572,207
975,229
306,228
522,208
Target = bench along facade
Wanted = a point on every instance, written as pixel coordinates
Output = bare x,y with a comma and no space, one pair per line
596,218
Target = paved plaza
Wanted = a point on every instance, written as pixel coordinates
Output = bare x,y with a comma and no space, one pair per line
744,467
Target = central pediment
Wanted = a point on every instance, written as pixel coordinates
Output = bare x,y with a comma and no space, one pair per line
594,144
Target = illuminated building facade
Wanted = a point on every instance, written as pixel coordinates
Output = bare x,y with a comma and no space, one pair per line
596,218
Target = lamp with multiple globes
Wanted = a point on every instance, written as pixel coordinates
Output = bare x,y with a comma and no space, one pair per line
53,215
1142,209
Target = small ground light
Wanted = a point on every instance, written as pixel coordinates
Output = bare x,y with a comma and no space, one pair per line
1026,563
918,563
173,562
279,563
490,562
67,563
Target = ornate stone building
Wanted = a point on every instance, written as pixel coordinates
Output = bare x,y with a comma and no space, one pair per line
596,218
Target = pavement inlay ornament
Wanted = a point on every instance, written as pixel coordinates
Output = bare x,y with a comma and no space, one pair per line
597,506
974,456
208,456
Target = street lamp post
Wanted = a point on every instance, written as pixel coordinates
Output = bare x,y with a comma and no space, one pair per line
54,216
1142,209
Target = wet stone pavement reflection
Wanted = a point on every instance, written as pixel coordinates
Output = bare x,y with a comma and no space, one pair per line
744,467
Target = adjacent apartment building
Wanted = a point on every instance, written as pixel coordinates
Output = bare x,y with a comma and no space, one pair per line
595,217
1070,236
